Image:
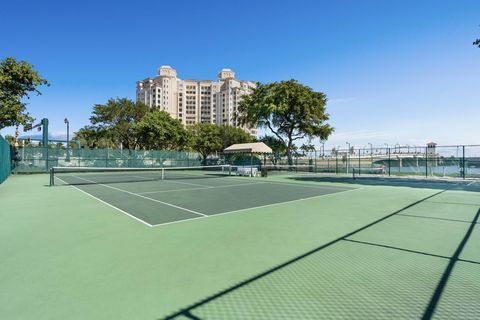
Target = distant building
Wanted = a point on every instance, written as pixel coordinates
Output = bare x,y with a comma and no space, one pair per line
194,101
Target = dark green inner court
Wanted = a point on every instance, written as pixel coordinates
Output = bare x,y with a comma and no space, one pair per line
157,201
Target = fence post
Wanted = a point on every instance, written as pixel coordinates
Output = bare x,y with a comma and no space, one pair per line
315,159
359,161
389,162
336,163
426,162
463,162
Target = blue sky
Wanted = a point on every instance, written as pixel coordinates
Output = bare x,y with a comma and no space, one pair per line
393,71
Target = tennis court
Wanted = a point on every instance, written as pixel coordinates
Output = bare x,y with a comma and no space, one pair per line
293,245
161,196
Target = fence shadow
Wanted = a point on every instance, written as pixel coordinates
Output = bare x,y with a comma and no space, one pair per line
395,182
189,312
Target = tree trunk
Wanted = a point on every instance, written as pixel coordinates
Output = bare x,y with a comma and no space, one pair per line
289,152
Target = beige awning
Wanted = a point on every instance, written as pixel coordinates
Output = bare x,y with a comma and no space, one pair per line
255,147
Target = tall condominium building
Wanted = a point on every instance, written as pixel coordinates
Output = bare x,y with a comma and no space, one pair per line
193,101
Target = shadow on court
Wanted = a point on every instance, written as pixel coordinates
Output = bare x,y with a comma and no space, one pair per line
349,279
466,185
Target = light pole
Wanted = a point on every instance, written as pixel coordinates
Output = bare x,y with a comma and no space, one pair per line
68,140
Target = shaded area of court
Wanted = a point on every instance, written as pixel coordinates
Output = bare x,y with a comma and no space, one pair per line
396,267
395,181
157,201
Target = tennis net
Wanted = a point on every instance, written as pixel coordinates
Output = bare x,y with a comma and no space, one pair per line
287,169
95,175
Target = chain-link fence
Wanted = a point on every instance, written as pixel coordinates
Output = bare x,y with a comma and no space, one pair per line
39,159
462,161
5,160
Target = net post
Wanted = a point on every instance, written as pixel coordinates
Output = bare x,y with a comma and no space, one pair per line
163,173
52,178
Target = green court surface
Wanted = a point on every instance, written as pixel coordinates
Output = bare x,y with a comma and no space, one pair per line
285,247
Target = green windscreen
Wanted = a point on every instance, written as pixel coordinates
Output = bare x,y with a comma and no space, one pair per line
4,159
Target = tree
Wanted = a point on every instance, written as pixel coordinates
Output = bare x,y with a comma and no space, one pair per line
306,148
158,130
277,146
10,139
274,143
17,80
290,110
477,43
117,117
206,138
235,135
92,137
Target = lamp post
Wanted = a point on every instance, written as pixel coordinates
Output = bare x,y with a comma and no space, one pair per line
68,139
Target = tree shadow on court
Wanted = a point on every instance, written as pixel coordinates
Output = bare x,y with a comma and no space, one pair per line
249,299
395,182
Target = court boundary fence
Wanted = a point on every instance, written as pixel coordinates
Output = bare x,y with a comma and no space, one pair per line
457,161
5,159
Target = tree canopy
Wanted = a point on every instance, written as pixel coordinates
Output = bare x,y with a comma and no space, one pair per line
276,144
117,118
207,138
17,80
290,110
158,130
93,137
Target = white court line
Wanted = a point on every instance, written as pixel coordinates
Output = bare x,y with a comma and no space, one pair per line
157,179
295,184
108,204
258,207
187,183
145,178
204,188
144,197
